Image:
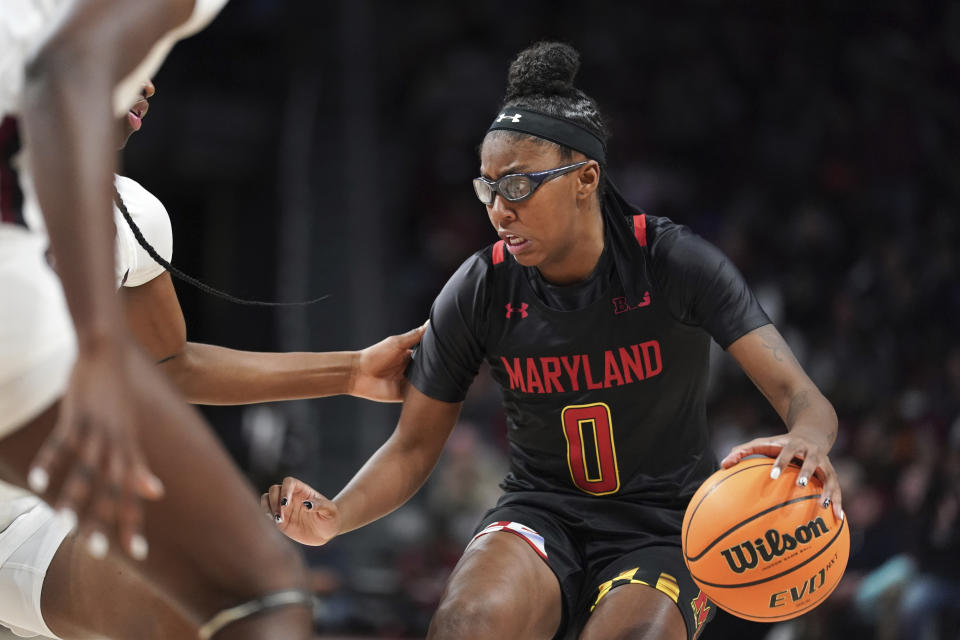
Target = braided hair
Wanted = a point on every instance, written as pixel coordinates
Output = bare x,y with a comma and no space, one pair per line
541,79
190,279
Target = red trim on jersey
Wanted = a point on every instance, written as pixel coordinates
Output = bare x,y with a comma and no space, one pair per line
498,250
640,229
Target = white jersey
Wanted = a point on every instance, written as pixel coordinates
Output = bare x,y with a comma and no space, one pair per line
37,341
24,26
134,265
27,525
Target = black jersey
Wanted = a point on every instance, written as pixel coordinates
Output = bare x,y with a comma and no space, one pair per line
606,398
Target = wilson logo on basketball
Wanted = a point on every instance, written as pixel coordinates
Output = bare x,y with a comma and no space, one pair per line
747,555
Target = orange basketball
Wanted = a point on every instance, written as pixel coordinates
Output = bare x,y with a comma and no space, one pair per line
763,549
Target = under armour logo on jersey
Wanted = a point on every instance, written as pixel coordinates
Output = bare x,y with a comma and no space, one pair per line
522,310
514,118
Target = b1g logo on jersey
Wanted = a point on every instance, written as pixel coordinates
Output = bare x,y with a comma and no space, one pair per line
620,304
747,555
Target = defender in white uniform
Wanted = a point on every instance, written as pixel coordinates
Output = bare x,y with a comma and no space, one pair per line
30,532
42,567
37,344
70,48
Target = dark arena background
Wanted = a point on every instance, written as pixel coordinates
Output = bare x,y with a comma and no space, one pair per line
326,147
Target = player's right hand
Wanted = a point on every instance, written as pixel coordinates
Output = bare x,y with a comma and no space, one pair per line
95,449
301,512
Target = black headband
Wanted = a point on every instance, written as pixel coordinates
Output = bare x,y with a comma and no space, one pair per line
560,130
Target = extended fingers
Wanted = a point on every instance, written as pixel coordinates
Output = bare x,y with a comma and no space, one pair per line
273,497
126,486
788,452
831,488
412,337
813,464
103,507
128,481
78,484
289,487
267,505
61,441
763,446
141,480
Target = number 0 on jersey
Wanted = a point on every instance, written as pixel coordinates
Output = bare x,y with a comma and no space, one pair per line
591,454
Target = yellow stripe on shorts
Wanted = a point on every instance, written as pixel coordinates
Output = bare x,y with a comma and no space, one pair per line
668,585
627,577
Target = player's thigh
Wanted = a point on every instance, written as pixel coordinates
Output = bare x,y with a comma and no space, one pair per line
635,612
210,543
73,602
646,593
500,588
51,586
207,503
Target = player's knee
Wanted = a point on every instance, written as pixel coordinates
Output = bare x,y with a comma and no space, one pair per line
455,619
638,630
284,567
476,615
273,566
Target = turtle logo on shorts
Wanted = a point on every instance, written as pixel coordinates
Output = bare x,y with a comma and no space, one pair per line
701,611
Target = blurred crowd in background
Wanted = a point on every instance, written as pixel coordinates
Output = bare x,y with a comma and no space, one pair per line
312,147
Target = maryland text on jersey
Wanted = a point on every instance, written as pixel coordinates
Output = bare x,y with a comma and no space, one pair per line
559,374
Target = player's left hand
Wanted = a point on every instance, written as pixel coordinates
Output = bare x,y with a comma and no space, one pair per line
378,374
800,444
301,512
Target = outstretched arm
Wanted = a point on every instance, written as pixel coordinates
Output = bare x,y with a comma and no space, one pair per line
810,418
209,374
387,480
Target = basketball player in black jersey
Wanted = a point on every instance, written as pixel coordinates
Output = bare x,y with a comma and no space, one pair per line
596,321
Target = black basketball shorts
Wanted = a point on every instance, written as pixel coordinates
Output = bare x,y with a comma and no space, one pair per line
596,544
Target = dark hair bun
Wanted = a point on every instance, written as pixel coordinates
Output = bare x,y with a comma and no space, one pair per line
545,68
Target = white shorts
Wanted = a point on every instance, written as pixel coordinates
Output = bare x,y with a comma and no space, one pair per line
27,547
37,340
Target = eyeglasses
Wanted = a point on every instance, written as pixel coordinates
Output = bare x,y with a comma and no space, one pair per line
518,186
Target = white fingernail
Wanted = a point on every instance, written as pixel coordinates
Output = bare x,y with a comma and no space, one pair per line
802,482
775,473
98,545
139,547
38,479
278,518
156,484
68,518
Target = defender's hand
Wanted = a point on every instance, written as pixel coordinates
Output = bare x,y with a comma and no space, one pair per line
379,371
301,512
796,444
95,447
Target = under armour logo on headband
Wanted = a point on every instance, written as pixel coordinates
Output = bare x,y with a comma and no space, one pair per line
558,129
